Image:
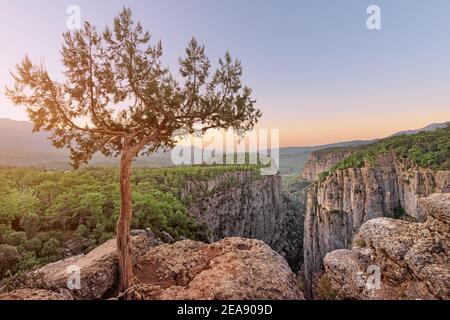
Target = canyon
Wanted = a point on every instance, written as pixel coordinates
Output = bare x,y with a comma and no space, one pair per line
411,258
256,240
321,161
338,206
239,204
349,213
230,269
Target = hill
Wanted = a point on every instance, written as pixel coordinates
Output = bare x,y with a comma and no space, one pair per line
20,147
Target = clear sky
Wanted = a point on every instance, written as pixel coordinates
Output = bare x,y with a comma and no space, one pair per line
318,73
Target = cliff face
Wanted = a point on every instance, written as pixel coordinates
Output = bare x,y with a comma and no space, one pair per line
239,204
337,207
412,258
321,161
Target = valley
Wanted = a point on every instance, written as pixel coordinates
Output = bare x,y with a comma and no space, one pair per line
326,225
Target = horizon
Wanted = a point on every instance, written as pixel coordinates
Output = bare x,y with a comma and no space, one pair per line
320,76
302,146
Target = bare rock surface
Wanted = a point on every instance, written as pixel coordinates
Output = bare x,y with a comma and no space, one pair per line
238,204
414,258
98,270
233,268
321,161
338,206
32,294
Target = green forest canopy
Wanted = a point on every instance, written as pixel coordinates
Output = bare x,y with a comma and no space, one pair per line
427,149
40,210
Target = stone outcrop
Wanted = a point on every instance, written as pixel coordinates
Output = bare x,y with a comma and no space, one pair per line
413,258
233,268
321,161
238,204
338,206
98,271
32,294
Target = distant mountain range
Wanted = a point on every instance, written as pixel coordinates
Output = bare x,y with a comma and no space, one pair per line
20,147
430,127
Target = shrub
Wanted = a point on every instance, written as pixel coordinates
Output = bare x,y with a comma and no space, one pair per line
323,176
360,243
30,222
51,250
27,261
16,239
399,211
82,231
34,245
9,256
5,231
323,289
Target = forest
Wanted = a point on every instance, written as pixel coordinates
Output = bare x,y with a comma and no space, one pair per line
46,215
427,150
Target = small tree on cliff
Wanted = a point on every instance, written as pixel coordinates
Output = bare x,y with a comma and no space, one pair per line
118,99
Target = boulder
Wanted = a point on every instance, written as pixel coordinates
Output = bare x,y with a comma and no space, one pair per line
233,268
413,258
98,270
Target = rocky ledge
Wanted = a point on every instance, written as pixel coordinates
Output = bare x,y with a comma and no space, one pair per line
413,258
233,268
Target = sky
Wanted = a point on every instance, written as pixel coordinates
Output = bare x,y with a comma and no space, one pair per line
318,73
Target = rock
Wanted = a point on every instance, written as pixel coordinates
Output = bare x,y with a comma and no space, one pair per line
233,268
340,205
32,294
413,258
321,161
166,237
98,270
238,204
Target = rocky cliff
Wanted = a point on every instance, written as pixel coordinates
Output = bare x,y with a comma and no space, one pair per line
338,206
241,204
321,161
233,268
411,260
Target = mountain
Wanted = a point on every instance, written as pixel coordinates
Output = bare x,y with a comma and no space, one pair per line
20,147
293,159
430,127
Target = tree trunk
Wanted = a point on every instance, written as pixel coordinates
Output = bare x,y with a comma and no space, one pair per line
124,222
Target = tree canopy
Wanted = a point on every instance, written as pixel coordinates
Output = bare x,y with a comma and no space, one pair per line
117,88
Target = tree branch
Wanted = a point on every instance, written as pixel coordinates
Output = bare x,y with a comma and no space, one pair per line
75,126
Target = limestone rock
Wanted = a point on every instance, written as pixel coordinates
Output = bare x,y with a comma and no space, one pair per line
233,268
98,270
238,204
340,205
31,294
413,258
321,161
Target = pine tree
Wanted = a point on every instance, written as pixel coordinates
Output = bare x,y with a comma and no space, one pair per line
118,99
